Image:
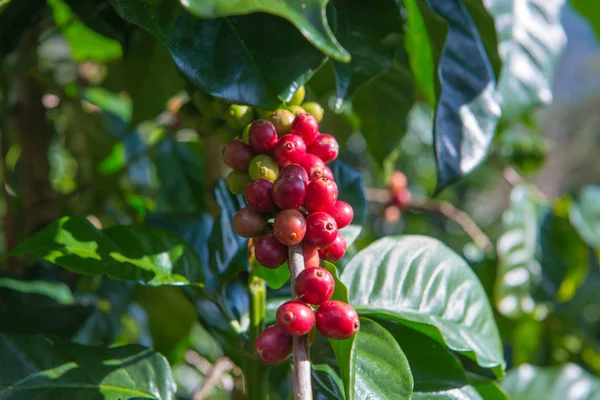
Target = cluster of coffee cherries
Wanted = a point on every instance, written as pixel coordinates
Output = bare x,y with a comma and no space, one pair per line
401,197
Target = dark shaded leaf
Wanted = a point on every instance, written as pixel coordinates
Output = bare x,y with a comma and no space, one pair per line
15,18
351,187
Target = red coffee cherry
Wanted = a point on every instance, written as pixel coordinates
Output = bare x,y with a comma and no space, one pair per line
262,136
314,285
311,256
335,251
337,320
259,196
397,182
402,199
269,252
327,173
246,223
289,227
295,318
313,165
321,229
325,147
273,345
295,169
289,191
237,155
391,214
305,126
321,194
342,212
289,149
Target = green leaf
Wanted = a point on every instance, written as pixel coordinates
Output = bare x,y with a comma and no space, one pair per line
133,253
351,187
16,17
53,368
585,215
531,39
488,391
229,57
467,111
421,283
308,16
568,381
275,278
587,10
340,291
327,382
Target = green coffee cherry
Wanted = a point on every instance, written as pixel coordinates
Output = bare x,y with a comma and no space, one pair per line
315,109
239,116
282,121
297,110
246,134
220,108
263,167
237,181
298,97
262,113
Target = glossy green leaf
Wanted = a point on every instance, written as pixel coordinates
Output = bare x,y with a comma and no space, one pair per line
488,391
326,379
585,215
421,283
309,17
351,188
52,368
531,39
340,291
132,253
587,10
275,278
467,111
229,57
568,381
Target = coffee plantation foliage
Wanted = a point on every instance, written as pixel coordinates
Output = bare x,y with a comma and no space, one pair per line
471,258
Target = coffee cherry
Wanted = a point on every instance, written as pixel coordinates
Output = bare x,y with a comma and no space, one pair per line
342,212
337,320
246,223
321,194
298,97
238,116
259,196
237,155
335,251
237,182
289,149
325,147
273,345
262,113
314,285
263,167
246,134
321,229
311,256
327,173
391,214
402,199
282,120
295,317
315,109
305,126
297,110
289,227
313,165
262,136
289,191
269,252
295,169
397,182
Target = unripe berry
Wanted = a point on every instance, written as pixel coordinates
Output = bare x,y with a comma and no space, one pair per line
282,120
397,182
273,345
289,192
321,194
335,251
321,229
305,126
337,320
237,182
297,110
314,285
325,147
295,317
262,113
289,227
246,134
315,109
246,223
237,155
311,256
269,252
259,196
313,165
262,136
298,97
263,167
238,116
289,149
295,169
402,199
342,212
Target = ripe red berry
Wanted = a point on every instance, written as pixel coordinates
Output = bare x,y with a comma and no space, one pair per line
289,227
314,285
237,155
295,169
335,251
311,256
342,212
327,173
262,136
391,214
295,317
397,182
289,149
402,199
321,229
259,196
289,191
269,252
305,126
321,194
246,223
325,147
337,320
273,345
313,165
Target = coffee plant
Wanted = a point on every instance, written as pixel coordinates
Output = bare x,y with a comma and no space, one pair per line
210,199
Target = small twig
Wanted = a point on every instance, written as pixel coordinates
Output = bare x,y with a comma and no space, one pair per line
212,379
